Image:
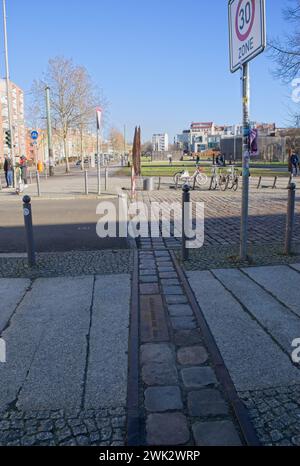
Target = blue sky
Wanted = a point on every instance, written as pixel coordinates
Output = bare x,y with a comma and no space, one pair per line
160,63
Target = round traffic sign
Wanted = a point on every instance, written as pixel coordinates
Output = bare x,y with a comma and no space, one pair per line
244,19
34,135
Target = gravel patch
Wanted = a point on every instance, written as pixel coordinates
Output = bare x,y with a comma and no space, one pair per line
74,263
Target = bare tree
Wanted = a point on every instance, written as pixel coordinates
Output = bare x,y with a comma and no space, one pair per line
286,51
73,98
117,140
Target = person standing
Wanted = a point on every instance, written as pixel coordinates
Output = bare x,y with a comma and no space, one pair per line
8,170
23,167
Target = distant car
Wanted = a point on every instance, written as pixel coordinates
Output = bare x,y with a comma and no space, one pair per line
78,163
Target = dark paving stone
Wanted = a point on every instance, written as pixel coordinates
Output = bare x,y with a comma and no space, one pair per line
160,399
156,352
167,429
149,288
153,323
172,290
180,310
161,254
170,282
216,433
192,356
207,402
197,377
165,269
163,275
148,279
187,337
176,299
147,272
183,323
159,374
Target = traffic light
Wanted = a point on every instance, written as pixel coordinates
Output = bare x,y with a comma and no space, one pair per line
8,138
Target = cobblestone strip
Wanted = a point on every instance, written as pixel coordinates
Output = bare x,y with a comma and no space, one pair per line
104,427
183,403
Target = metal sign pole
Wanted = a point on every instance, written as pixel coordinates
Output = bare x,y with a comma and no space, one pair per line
246,161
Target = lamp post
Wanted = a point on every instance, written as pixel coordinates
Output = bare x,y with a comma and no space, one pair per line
8,93
49,131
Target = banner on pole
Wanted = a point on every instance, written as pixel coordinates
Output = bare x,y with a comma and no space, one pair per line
98,117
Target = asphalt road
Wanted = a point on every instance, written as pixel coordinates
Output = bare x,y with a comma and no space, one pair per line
59,225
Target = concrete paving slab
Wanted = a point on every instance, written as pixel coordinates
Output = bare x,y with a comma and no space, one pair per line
281,323
11,292
296,267
106,383
56,373
36,344
251,356
281,281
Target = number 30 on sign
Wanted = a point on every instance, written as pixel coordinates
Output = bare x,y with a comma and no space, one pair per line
247,31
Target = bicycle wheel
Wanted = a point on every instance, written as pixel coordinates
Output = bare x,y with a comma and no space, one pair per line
223,182
176,177
235,184
201,179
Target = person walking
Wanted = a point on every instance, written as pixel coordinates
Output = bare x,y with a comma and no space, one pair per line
8,170
295,163
23,167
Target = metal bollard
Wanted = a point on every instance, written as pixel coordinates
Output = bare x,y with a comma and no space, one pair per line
259,182
38,184
86,182
185,221
194,183
29,231
99,176
159,183
106,178
290,219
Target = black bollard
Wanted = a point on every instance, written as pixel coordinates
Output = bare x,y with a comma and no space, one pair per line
185,221
290,219
29,231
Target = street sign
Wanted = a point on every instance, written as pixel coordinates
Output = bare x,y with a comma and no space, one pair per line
247,31
34,135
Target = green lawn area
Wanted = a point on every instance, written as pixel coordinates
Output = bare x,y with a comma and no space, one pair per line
163,169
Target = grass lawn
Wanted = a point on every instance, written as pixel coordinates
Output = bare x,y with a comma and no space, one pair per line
163,169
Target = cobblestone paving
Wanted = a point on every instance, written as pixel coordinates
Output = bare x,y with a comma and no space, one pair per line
267,215
183,403
68,264
58,428
275,414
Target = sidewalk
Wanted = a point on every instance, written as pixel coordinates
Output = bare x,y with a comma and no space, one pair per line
65,379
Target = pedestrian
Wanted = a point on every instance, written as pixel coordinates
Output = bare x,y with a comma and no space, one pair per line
295,163
170,159
197,159
23,167
8,170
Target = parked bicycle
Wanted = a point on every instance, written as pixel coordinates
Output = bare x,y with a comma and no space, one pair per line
184,177
222,181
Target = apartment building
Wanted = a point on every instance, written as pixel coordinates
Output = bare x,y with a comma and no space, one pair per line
17,109
160,142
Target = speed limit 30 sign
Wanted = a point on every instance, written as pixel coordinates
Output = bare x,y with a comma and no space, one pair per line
247,31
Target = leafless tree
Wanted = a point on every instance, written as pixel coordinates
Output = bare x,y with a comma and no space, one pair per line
73,98
116,139
286,51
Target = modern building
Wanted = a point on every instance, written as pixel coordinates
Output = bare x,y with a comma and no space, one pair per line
160,142
17,109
